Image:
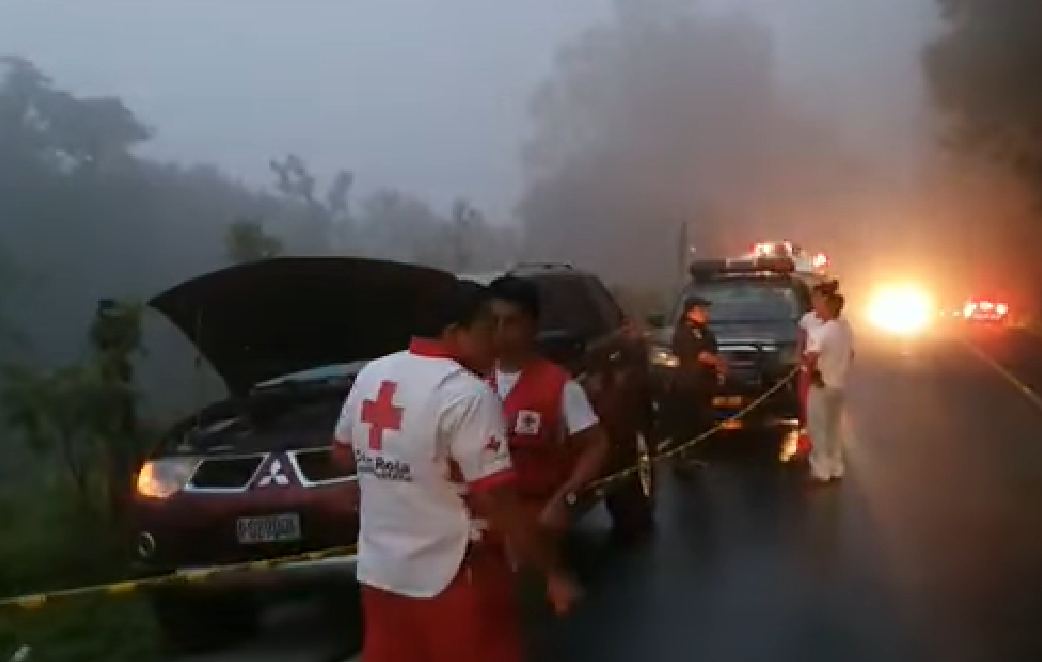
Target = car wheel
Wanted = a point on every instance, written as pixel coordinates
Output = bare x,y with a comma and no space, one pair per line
199,623
632,503
645,467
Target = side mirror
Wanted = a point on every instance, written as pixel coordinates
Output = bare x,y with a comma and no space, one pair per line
563,347
656,320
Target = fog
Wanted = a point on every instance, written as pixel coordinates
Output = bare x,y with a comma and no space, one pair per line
392,89
586,130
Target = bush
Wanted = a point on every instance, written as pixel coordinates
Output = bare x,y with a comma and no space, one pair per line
48,545
88,629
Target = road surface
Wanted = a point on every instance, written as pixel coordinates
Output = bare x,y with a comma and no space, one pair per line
930,549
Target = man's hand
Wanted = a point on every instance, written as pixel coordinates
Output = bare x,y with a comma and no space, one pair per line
721,365
563,592
815,378
554,515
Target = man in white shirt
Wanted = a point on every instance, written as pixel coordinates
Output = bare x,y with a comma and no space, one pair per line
427,438
830,352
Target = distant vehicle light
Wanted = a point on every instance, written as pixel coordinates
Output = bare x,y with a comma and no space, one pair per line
819,261
904,310
985,310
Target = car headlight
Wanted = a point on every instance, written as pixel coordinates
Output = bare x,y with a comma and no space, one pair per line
662,357
160,479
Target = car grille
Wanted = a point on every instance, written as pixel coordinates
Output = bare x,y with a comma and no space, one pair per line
226,473
316,466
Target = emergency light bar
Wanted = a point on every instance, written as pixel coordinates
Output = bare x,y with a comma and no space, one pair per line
777,265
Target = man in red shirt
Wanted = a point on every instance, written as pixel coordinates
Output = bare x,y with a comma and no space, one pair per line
439,498
556,441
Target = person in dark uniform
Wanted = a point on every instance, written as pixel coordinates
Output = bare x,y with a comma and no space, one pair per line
699,372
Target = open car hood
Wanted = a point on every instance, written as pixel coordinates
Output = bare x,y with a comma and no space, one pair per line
262,320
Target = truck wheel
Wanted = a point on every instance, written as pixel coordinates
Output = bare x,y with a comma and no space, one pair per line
632,503
196,623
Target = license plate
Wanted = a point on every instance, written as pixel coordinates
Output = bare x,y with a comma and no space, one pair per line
268,528
729,401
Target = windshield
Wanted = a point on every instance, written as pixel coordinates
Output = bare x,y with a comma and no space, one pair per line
340,370
745,301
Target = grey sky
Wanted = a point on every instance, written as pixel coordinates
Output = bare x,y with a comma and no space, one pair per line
427,95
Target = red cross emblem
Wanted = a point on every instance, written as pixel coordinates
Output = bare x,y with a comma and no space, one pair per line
381,414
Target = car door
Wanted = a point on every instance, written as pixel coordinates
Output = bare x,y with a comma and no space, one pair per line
626,372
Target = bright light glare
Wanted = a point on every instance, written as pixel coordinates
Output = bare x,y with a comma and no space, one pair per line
903,310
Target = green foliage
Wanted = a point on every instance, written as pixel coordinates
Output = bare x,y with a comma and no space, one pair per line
85,630
63,527
246,241
983,72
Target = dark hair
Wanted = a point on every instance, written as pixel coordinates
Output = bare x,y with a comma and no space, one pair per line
828,288
460,304
836,302
519,292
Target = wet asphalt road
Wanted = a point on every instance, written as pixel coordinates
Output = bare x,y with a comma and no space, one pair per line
930,549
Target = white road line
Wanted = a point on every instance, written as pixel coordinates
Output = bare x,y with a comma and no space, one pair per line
1010,378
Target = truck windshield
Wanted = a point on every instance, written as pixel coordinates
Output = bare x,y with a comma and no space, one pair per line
745,301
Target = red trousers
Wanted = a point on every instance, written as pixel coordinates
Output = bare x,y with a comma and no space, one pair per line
474,619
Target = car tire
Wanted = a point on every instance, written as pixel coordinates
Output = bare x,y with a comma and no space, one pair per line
632,503
200,623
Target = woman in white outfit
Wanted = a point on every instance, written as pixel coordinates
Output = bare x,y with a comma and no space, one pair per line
829,354
810,321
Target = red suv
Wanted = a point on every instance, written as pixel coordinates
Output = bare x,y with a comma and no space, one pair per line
250,477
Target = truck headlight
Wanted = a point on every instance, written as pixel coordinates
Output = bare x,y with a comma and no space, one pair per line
160,479
788,356
663,358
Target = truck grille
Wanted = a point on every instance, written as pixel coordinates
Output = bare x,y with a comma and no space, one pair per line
746,365
316,466
226,473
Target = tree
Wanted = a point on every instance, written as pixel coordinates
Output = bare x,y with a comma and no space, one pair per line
246,241
67,131
983,72
85,414
11,336
325,221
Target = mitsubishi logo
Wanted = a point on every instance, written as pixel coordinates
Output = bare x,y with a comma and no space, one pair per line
274,475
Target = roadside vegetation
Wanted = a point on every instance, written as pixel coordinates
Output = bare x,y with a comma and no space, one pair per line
87,382
89,228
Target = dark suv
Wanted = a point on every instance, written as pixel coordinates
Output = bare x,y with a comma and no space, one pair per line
584,329
756,307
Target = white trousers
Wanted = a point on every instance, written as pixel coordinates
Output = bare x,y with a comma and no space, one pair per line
825,426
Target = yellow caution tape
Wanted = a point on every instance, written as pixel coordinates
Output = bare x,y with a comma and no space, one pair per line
726,424
38,600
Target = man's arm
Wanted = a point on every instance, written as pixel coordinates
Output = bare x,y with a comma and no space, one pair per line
815,343
343,453
711,359
585,433
473,423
